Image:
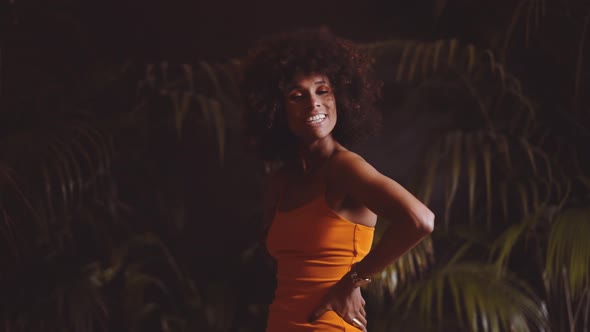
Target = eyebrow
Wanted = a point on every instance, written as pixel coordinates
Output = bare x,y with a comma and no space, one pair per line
295,85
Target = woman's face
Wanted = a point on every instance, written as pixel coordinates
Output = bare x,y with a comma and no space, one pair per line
310,107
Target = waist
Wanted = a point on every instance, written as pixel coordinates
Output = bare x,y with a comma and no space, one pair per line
298,299
301,285
293,270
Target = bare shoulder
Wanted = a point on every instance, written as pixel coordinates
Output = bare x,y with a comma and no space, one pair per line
344,158
345,163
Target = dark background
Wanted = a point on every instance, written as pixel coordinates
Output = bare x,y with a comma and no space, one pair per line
121,211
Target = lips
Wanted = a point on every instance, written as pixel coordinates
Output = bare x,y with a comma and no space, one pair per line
317,118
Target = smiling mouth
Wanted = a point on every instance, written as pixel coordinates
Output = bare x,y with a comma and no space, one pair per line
316,118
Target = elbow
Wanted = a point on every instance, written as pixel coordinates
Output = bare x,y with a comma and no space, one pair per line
426,222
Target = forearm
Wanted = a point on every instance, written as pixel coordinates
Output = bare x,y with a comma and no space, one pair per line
398,238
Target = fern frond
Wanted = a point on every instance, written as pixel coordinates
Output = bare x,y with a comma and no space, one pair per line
483,299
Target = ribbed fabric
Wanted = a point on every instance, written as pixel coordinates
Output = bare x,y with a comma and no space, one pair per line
314,247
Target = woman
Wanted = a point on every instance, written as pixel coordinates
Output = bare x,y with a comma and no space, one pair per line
309,95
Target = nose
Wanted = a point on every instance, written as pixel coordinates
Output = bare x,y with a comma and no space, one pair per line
314,102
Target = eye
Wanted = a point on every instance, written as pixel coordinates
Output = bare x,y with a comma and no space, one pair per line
295,95
323,91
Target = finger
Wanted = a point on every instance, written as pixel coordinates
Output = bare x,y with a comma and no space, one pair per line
363,312
359,322
363,302
317,313
363,320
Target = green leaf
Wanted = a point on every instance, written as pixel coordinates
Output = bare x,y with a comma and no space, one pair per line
515,16
426,60
487,163
482,298
470,59
523,198
433,160
415,61
455,142
408,267
529,151
188,75
402,63
436,57
213,77
452,50
502,247
220,128
471,175
204,107
504,199
181,107
568,248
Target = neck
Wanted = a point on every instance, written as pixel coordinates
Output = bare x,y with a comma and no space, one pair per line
314,155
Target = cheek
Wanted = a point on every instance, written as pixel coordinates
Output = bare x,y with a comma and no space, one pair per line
332,106
334,118
330,103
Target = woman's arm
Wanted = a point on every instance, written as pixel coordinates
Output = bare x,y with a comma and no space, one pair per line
409,220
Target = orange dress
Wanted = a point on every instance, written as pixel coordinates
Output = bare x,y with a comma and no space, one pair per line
314,247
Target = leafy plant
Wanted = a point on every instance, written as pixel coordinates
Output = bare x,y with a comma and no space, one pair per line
514,185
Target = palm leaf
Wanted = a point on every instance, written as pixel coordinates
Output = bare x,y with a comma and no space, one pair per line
441,56
528,179
432,163
220,126
568,250
187,85
532,17
213,77
487,164
454,146
483,299
158,274
181,103
408,267
503,246
490,85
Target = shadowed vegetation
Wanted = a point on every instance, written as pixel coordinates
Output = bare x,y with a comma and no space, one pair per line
116,182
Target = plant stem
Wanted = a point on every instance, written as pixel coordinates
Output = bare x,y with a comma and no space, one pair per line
513,21
587,310
568,304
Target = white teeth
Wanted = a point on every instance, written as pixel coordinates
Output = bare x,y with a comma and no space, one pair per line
316,118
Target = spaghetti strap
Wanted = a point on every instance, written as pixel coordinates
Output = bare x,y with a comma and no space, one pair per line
313,247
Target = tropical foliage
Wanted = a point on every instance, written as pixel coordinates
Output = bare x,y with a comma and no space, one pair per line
97,224
512,177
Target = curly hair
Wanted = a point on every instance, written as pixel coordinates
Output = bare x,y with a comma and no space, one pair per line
273,63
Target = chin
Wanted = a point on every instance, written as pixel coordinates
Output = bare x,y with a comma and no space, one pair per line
316,138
